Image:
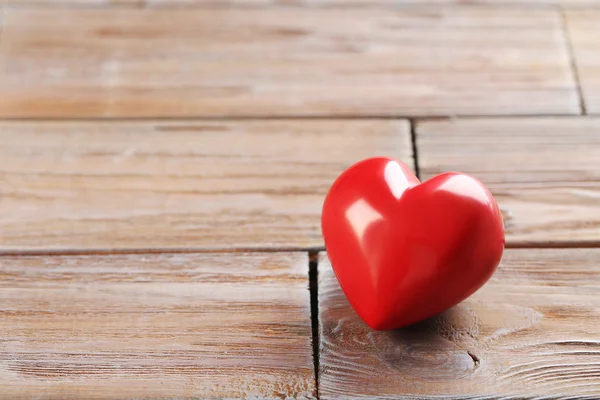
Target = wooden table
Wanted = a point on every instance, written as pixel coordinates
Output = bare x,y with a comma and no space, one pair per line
163,165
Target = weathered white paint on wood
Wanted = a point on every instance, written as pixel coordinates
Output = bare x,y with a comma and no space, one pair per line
531,331
544,172
156,326
283,62
178,184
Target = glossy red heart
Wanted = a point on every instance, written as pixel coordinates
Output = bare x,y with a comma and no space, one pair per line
403,250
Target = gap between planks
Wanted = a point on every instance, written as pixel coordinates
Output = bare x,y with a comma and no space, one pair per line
219,5
1,21
558,244
415,147
313,281
292,117
572,60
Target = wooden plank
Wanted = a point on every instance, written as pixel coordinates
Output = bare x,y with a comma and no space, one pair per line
369,3
178,184
302,3
531,331
283,62
156,326
544,172
584,32
74,3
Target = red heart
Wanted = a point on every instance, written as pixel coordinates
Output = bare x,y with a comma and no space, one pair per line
403,250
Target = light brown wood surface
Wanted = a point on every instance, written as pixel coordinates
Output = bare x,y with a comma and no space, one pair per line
369,3
136,135
532,330
283,62
156,326
544,172
302,3
584,32
178,184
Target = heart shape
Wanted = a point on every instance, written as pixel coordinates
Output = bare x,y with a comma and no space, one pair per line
403,250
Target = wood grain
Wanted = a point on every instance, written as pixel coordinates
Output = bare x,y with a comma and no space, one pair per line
178,184
368,3
544,172
156,326
283,62
301,3
532,330
584,33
